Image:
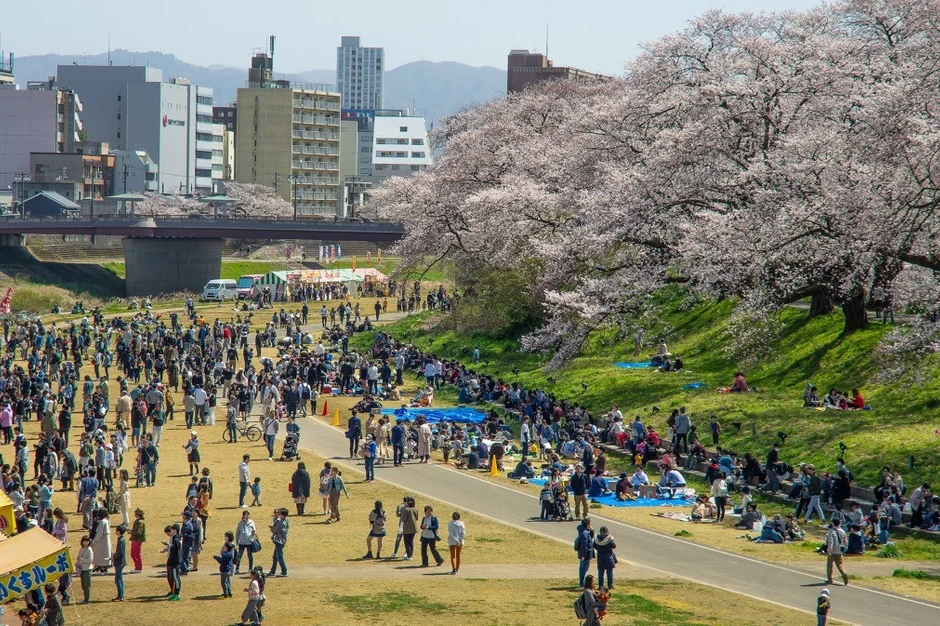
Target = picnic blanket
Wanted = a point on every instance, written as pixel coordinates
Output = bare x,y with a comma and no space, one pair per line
678,517
611,499
695,385
458,414
630,365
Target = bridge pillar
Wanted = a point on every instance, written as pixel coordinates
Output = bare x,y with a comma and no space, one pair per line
12,240
155,266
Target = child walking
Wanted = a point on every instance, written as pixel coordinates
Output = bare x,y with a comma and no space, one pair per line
256,492
822,607
138,537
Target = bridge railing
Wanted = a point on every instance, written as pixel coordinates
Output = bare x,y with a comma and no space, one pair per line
129,220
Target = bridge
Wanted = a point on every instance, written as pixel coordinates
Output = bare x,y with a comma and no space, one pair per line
170,254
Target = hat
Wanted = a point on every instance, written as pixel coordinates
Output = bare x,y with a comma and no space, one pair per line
623,474
802,464
194,432
824,592
108,446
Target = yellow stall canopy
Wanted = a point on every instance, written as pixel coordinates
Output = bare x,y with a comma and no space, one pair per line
7,517
29,560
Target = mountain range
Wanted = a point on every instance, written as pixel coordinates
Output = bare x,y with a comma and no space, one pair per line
433,89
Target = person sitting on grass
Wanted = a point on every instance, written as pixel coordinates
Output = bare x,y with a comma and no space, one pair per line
598,487
773,531
856,542
703,509
749,517
670,481
857,402
639,479
794,532
739,384
623,490
523,470
811,397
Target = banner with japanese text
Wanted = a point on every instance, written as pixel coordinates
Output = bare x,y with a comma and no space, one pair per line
30,577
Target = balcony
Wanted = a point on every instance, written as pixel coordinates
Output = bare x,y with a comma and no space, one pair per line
314,135
316,104
302,149
320,120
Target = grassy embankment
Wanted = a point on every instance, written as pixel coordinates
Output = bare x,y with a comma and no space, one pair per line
902,424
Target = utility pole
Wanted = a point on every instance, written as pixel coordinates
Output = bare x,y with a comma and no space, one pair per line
277,181
125,177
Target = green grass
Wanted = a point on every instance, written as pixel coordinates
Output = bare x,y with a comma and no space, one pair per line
808,350
116,268
388,602
648,613
915,574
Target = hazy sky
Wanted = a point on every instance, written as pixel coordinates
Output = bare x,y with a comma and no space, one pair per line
596,35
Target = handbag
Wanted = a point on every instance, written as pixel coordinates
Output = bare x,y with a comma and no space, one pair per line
255,546
290,487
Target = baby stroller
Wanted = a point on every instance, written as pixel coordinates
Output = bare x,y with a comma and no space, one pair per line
562,508
291,443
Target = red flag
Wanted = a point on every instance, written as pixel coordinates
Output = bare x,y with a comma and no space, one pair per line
5,304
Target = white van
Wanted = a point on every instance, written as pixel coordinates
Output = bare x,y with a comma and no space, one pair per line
221,289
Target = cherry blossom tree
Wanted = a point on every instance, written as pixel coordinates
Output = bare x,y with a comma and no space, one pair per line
767,157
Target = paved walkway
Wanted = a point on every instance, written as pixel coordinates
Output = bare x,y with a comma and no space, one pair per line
657,554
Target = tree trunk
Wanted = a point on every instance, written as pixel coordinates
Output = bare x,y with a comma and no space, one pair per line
856,317
821,304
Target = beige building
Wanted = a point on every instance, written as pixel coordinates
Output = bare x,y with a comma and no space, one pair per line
228,155
289,139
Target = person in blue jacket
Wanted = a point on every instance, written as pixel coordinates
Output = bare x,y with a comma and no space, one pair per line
225,560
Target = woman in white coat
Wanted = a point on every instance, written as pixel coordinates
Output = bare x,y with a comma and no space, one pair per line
424,442
101,542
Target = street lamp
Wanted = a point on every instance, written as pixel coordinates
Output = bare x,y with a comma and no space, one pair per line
294,180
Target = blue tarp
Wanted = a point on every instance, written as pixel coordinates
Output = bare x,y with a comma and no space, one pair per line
696,385
633,365
611,500
460,414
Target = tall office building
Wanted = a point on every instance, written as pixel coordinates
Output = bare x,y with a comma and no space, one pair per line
132,109
360,75
289,139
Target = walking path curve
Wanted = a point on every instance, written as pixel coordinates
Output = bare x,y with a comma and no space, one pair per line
654,552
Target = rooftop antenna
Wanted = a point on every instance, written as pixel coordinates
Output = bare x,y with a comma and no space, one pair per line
546,40
109,49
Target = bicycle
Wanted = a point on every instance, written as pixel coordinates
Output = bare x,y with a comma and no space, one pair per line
251,433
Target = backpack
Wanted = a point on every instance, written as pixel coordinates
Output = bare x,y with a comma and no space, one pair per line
577,544
580,607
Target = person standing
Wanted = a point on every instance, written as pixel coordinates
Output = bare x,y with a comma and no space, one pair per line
173,549
429,537
424,442
245,535
525,437
354,434
377,520
585,546
456,535
250,614
279,530
720,493
244,478
119,560
270,426
823,604
605,546
836,542
225,560
53,611
580,482
124,497
138,538
398,444
84,563
370,452
408,519
334,488
300,487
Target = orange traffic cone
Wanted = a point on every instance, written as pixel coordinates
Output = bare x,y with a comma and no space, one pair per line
326,408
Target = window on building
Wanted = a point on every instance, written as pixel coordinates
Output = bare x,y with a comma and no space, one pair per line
403,129
119,97
395,168
415,168
365,149
364,159
119,116
364,170
119,134
417,155
417,142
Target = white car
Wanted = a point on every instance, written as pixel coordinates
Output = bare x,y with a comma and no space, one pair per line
219,290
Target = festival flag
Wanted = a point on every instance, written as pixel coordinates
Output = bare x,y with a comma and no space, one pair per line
380,256
354,262
339,251
369,258
5,304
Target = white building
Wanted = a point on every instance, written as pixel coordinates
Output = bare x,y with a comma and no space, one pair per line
360,75
399,144
132,108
